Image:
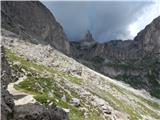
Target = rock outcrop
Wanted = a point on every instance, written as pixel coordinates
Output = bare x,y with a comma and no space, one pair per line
31,19
39,112
86,45
88,41
149,38
7,103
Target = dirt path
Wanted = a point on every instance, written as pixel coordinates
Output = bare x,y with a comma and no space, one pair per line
21,98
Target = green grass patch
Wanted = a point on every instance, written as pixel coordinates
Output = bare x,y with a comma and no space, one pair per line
28,65
135,110
154,105
118,104
41,87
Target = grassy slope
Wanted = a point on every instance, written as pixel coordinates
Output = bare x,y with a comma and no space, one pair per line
41,87
46,89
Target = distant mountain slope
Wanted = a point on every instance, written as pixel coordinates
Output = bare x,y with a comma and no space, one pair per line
136,62
31,19
147,41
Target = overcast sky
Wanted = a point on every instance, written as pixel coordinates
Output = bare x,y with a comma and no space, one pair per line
106,20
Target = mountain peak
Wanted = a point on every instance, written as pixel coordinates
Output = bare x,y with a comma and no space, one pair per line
88,37
148,39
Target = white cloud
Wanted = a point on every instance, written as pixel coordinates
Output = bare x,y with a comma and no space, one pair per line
147,15
106,20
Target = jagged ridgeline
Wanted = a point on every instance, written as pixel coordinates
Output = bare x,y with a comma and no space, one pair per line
136,62
39,82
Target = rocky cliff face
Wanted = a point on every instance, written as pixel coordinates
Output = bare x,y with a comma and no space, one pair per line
149,38
136,62
85,45
88,38
33,20
7,104
147,41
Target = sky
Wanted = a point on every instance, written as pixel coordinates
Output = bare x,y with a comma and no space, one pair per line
106,20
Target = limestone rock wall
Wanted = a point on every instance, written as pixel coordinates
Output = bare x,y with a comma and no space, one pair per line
33,19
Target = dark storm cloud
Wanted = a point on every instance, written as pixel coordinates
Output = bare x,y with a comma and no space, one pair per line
105,20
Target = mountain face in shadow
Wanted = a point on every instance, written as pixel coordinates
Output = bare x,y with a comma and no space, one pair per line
136,62
33,20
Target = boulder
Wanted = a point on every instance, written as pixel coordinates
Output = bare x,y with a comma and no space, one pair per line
17,63
75,102
7,105
29,58
63,98
66,110
39,112
106,110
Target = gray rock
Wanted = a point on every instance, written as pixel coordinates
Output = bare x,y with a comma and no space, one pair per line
7,103
106,110
75,102
88,41
149,38
39,112
66,110
16,63
64,98
29,58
